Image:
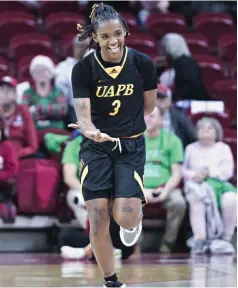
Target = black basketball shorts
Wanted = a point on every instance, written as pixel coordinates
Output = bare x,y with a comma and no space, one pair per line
112,174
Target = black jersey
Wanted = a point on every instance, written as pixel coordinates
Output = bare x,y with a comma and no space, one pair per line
115,90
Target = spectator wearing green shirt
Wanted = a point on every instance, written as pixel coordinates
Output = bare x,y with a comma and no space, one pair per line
163,173
47,103
70,161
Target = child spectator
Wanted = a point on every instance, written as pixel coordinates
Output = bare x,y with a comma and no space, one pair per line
46,102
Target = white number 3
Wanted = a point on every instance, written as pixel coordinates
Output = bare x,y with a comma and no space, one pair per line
117,104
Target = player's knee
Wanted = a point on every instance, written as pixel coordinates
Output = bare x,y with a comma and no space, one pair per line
127,221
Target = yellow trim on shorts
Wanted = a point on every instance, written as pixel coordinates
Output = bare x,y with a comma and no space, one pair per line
134,136
84,174
140,182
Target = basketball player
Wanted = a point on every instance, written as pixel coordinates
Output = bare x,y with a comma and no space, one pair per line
113,88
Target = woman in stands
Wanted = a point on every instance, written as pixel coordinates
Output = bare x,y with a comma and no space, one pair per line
185,75
18,123
210,160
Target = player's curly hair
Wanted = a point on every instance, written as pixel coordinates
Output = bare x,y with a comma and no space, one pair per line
99,13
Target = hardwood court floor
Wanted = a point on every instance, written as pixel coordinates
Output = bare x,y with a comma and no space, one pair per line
148,270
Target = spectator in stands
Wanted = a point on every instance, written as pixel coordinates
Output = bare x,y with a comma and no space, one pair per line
8,171
63,75
46,102
18,123
164,156
71,167
185,75
209,161
173,119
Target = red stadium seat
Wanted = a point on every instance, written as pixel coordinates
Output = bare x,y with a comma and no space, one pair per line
197,43
48,7
3,67
143,43
234,69
230,133
212,25
131,21
226,91
17,6
223,118
67,45
37,186
59,24
211,69
14,23
227,46
30,43
160,24
232,142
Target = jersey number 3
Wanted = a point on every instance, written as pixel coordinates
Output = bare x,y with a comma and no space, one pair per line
117,104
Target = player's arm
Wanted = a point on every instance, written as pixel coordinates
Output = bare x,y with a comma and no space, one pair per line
82,108
81,84
149,101
150,84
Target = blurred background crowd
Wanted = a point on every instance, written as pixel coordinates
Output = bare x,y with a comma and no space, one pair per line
191,137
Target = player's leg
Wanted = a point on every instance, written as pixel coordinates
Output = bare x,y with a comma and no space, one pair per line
96,177
128,189
100,239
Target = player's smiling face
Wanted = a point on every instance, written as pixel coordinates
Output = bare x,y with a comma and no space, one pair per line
111,38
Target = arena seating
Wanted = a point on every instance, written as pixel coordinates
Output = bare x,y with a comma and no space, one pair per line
143,42
37,43
226,90
61,23
208,23
14,23
211,69
160,24
197,43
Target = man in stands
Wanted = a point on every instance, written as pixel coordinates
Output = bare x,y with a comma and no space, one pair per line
164,156
173,119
